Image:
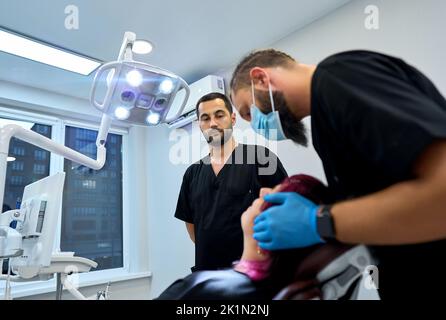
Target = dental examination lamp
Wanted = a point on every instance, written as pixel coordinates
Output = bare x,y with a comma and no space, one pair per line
137,93
133,92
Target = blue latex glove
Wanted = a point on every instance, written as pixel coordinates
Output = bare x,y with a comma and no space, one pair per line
289,224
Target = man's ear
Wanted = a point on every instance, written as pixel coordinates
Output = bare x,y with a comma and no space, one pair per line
233,118
260,78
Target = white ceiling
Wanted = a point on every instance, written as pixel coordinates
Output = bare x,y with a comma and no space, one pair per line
192,38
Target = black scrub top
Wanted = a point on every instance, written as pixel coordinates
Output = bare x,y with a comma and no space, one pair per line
372,115
214,204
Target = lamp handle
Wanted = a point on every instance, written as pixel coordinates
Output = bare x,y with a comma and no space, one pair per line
113,67
184,86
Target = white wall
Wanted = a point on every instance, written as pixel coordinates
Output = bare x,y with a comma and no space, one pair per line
413,30
171,252
33,99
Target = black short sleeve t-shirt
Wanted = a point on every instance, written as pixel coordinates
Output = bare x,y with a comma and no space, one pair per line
214,204
372,116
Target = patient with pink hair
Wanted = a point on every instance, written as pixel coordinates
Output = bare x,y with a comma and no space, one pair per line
258,274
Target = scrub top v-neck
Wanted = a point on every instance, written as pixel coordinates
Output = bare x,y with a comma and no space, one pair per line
215,203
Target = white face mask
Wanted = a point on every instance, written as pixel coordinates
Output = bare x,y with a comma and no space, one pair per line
268,125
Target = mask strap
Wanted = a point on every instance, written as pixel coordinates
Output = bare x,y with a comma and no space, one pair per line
271,96
252,93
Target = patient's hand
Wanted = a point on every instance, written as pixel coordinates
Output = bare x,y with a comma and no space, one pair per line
265,191
250,248
254,210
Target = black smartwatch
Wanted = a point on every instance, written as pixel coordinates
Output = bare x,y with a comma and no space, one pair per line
325,224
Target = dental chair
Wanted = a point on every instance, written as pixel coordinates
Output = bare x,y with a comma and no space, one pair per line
331,272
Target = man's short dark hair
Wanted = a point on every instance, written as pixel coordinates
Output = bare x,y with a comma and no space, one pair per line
261,58
212,96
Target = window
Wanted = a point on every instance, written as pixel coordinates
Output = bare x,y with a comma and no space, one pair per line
17,165
40,154
17,150
17,181
86,147
42,129
23,171
39,169
92,202
84,184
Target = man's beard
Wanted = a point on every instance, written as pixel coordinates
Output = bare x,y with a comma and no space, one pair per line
220,139
293,128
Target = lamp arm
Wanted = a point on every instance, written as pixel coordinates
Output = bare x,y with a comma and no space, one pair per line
103,130
125,53
12,130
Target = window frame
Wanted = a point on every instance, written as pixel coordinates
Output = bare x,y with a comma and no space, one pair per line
58,124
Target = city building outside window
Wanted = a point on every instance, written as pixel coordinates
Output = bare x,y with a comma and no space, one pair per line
92,202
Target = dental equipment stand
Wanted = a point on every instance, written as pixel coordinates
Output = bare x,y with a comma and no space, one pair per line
63,265
6,134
